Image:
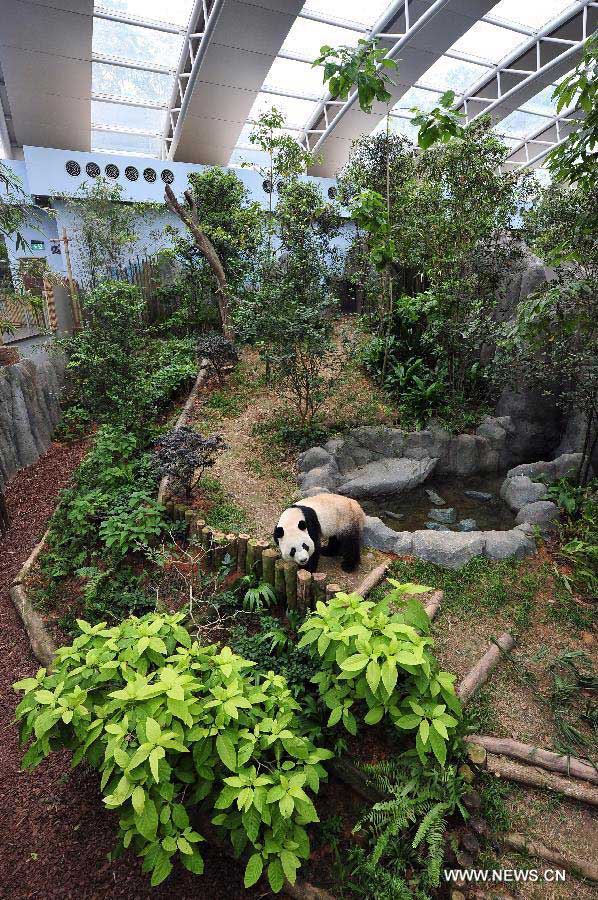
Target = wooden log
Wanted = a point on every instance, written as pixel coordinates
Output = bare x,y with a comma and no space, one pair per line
290,581
169,506
197,526
318,587
482,670
532,775
433,604
207,535
355,778
269,557
231,549
219,549
545,759
303,590
179,511
242,552
373,579
260,547
531,847
331,590
251,560
40,640
31,559
279,581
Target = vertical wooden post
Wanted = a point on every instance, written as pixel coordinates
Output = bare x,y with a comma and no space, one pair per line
220,542
242,552
189,518
290,580
279,581
169,505
269,557
75,308
260,548
48,293
207,544
254,557
303,590
318,587
231,549
196,529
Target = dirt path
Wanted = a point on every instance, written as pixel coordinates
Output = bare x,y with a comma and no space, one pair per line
54,833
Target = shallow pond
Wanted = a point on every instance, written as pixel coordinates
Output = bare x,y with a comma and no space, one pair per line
417,510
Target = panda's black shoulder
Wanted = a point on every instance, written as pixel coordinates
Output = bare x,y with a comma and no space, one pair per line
311,520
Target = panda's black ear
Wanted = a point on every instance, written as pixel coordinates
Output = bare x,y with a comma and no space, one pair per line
302,526
278,533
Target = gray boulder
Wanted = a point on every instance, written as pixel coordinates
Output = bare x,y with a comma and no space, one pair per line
313,459
326,476
434,498
543,513
521,490
493,431
436,526
482,496
506,544
448,548
567,464
467,525
463,454
379,536
432,442
444,516
533,278
386,477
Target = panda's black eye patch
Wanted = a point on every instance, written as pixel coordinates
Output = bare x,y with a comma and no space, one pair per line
302,525
292,553
305,547
278,533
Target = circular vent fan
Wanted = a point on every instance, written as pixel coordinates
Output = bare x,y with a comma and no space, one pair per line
73,168
331,193
92,169
167,176
149,175
267,186
112,171
131,173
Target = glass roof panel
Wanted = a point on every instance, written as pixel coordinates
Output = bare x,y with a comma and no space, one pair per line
140,45
488,42
296,112
542,102
452,74
350,10
289,75
175,12
306,37
520,124
124,116
113,141
131,84
420,97
398,126
533,13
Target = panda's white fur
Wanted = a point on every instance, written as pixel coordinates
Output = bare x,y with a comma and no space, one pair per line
338,519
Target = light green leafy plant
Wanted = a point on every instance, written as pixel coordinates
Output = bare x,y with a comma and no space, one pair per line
380,660
171,724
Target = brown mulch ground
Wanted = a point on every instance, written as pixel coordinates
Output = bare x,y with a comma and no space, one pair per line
54,833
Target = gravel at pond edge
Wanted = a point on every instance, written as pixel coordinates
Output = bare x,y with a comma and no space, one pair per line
55,833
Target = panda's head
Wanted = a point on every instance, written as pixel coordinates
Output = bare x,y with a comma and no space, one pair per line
293,537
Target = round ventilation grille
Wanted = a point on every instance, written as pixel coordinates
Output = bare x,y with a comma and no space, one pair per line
332,193
267,186
73,168
131,173
167,176
149,175
112,171
92,169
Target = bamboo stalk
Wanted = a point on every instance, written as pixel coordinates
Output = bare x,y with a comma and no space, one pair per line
331,590
482,670
373,579
269,557
303,590
279,581
546,759
530,847
318,587
531,775
290,580
242,552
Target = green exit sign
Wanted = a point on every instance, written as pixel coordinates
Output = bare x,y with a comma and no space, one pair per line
37,245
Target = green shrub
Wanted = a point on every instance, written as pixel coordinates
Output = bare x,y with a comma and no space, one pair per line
171,724
381,661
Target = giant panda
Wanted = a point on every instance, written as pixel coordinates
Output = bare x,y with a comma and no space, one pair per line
302,527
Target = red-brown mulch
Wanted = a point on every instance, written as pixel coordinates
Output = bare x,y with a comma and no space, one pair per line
54,832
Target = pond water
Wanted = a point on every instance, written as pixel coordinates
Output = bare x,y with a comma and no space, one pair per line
422,507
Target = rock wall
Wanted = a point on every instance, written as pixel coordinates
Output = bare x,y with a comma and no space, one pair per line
29,411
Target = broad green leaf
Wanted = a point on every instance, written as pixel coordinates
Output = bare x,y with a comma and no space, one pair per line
372,675
138,799
276,875
193,863
424,731
374,715
409,721
152,730
161,870
253,870
438,746
389,675
147,821
226,751
355,663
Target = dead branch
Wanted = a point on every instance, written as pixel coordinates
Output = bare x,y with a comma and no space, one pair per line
190,219
535,777
531,847
484,667
546,759
433,604
372,580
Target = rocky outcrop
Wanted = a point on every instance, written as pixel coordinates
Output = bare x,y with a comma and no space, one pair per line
386,478
518,490
29,411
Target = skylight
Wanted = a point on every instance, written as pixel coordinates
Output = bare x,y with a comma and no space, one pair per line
532,13
365,14
488,42
306,37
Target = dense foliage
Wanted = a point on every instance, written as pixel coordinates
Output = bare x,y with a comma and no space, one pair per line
172,725
184,455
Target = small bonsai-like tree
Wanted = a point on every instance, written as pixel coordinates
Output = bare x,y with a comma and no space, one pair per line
219,351
184,455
